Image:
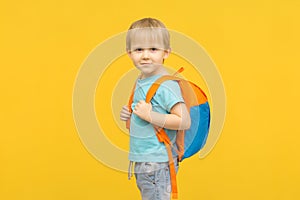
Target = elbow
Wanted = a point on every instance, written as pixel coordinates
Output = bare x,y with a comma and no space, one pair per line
186,124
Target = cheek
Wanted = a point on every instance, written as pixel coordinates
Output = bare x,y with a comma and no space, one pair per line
134,58
159,59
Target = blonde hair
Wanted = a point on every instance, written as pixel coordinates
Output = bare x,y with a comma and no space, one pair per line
148,30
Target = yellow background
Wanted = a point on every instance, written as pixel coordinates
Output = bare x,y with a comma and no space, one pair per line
255,45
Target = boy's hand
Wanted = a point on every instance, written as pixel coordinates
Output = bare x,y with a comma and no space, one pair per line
125,114
143,109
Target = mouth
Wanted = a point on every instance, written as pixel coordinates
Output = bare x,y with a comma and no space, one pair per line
145,63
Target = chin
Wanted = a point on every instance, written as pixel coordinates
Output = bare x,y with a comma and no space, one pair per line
146,72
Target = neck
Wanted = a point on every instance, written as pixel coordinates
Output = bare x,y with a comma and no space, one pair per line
162,71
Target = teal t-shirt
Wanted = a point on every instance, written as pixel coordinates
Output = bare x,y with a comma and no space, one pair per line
144,145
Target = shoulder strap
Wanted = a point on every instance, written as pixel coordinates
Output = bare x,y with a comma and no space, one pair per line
159,81
130,101
164,138
152,90
154,87
160,132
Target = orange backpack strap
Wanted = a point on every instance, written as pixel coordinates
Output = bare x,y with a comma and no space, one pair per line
159,81
130,101
160,132
163,137
152,90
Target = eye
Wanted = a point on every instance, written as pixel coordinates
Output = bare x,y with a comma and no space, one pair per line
154,49
138,50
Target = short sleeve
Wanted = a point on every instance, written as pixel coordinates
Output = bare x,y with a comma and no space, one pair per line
168,94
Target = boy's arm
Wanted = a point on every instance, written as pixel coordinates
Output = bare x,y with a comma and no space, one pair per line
178,119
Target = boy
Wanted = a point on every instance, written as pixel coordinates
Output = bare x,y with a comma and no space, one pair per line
148,45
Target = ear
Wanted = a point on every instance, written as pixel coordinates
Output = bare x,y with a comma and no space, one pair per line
128,53
167,53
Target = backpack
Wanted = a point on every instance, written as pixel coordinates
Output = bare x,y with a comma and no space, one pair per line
189,141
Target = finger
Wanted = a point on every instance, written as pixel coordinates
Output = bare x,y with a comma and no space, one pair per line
125,108
136,106
125,114
141,102
124,117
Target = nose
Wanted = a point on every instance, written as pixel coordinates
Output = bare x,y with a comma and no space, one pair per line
145,54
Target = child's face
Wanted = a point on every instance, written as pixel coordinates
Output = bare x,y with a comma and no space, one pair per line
148,58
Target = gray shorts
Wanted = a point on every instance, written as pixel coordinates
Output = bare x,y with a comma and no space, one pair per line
153,179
